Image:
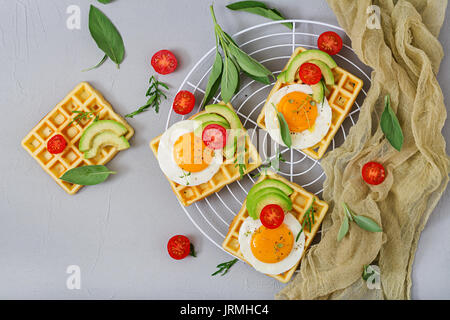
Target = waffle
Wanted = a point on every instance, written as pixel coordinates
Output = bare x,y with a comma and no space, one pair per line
82,98
301,201
227,174
341,97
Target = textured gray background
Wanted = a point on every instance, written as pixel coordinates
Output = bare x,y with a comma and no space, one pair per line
117,231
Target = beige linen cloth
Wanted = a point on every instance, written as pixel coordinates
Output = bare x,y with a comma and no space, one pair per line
405,56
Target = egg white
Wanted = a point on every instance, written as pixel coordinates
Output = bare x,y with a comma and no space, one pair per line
306,138
169,166
250,225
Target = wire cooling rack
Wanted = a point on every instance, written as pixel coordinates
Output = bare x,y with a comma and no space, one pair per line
272,44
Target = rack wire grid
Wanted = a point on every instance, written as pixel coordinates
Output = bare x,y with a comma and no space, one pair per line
272,44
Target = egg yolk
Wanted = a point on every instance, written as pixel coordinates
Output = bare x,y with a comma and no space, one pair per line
299,110
191,154
272,245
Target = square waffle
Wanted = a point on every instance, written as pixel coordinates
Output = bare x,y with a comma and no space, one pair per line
341,97
227,174
58,121
301,202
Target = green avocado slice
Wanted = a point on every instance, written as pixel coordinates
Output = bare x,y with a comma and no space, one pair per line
265,196
287,190
98,127
107,138
326,71
305,56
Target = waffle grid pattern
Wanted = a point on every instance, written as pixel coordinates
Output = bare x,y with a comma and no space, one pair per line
341,97
227,174
301,201
58,121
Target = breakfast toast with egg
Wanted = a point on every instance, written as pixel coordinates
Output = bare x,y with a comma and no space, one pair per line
83,100
227,173
303,203
341,96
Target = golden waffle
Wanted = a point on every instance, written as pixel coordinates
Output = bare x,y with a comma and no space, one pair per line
301,201
82,98
341,97
227,174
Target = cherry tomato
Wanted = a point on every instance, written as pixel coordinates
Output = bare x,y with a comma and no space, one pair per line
272,216
373,173
330,42
179,247
214,136
184,102
164,62
56,144
310,73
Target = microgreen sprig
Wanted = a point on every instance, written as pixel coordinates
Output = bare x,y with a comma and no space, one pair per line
307,220
83,115
155,95
224,267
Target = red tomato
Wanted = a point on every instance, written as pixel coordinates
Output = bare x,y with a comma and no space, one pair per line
272,216
373,173
310,73
184,102
179,247
330,42
56,144
214,136
164,62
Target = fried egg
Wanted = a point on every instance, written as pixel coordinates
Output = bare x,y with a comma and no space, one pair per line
271,251
308,120
184,158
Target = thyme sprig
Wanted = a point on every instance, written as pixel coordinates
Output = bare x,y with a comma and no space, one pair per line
155,96
224,267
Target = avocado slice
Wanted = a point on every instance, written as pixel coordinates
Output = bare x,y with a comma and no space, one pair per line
326,71
232,118
208,117
274,183
106,138
98,127
305,56
199,130
318,91
265,197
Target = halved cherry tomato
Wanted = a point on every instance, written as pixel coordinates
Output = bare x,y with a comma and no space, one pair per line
272,216
184,102
214,136
310,73
164,62
56,144
330,42
373,173
179,247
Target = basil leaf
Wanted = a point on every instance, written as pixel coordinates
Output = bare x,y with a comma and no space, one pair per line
390,125
248,64
343,229
97,65
347,211
367,223
106,36
264,80
284,129
260,9
87,175
229,80
214,79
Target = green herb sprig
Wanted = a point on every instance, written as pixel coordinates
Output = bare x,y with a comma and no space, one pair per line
83,115
259,8
106,36
307,220
192,251
224,267
271,164
105,1
390,126
155,95
284,128
362,222
225,70
87,175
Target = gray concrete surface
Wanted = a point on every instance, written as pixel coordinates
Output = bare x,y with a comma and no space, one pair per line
117,231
